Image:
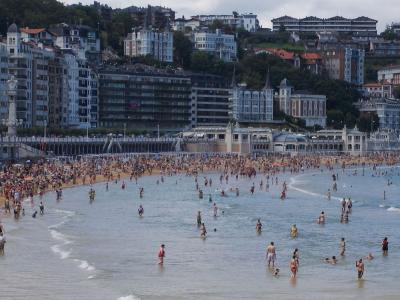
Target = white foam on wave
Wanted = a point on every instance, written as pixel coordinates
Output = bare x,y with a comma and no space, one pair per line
292,181
59,237
63,254
394,209
130,297
84,265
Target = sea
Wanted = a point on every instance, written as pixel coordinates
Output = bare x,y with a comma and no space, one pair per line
102,249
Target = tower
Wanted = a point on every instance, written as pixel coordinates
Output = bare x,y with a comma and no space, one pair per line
268,97
285,94
12,107
13,39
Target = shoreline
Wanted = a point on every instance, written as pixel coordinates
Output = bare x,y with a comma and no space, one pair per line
121,173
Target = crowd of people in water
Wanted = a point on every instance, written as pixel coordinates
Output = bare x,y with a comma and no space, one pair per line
24,183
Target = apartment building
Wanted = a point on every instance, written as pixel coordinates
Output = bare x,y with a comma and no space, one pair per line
338,24
302,105
210,100
345,64
157,44
142,97
253,106
247,21
390,74
218,44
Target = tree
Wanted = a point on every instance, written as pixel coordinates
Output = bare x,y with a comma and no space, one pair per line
388,34
335,119
368,121
182,49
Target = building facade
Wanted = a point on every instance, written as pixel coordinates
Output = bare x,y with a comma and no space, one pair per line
83,40
377,90
315,24
158,17
387,110
3,81
218,44
158,45
144,98
248,22
345,64
253,106
302,105
210,100
380,47
390,75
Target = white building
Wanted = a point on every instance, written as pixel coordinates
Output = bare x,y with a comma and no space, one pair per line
3,81
183,24
388,111
302,105
37,35
377,90
253,106
83,40
158,45
249,21
390,75
66,97
218,44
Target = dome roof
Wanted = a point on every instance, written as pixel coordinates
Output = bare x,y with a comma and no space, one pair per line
13,28
294,138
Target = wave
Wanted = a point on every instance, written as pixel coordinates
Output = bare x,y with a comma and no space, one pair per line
63,254
395,209
84,265
130,297
291,186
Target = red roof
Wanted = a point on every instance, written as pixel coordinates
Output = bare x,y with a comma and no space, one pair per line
32,30
310,55
281,53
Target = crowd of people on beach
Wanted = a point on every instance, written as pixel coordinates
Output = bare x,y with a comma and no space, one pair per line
23,183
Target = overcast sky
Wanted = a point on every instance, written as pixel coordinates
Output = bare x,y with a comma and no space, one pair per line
385,12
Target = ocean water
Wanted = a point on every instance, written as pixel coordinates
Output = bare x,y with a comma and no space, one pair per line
104,250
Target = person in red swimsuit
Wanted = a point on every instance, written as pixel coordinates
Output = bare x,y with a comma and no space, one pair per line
161,254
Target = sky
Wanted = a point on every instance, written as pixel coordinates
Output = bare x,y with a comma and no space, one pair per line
385,12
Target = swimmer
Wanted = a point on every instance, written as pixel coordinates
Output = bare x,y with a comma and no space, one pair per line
141,210
370,256
271,254
385,246
293,266
331,261
342,246
360,268
41,207
258,226
161,254
321,218
203,231
215,208
293,231
198,218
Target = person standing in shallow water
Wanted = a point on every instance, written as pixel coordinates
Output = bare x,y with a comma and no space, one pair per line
198,218
271,254
342,247
360,268
385,246
161,254
293,266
